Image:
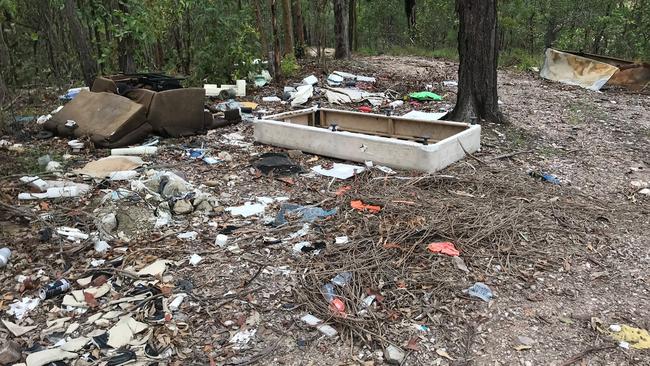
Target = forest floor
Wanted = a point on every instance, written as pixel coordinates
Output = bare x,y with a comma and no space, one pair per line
564,261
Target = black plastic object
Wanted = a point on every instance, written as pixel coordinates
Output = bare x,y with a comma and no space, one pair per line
44,135
121,358
151,81
278,164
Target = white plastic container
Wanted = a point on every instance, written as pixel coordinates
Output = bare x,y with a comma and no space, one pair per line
138,150
221,240
5,254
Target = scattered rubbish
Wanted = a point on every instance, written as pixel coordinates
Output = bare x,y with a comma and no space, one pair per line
635,338
315,322
341,240
16,329
5,254
189,235
342,279
72,234
349,95
272,99
396,104
450,83
76,145
53,166
338,170
10,353
460,264
424,116
307,247
339,77
21,307
624,344
195,259
277,164
645,191
175,304
394,355
365,109
54,289
225,90
594,71
56,189
386,169
221,240
545,177
306,214
262,78
360,206
304,92
615,328
424,96
253,209
112,167
310,80
44,118
155,269
342,190
241,338
444,248
75,345
138,150
480,290
443,353
123,332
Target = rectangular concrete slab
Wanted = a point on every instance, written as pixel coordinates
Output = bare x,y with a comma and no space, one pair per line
393,141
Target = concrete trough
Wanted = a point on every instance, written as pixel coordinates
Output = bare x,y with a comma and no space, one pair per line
393,141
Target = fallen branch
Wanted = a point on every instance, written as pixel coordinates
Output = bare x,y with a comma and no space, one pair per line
509,155
585,353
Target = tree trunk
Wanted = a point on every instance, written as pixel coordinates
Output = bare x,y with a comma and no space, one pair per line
352,25
299,29
80,39
4,66
477,51
125,46
260,28
409,7
276,41
341,29
288,27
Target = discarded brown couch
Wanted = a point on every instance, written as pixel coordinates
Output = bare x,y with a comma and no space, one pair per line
112,120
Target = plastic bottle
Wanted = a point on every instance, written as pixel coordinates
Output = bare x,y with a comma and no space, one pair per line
5,254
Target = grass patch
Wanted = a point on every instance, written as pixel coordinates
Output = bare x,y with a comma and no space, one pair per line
520,59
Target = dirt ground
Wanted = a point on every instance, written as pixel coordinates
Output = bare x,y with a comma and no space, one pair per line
563,261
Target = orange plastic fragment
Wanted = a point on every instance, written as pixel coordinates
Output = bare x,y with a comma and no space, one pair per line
444,248
360,206
337,305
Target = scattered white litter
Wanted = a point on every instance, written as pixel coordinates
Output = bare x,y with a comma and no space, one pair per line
252,208
189,235
48,356
271,99
221,240
175,304
17,330
241,338
615,328
122,333
424,116
386,169
156,268
101,246
311,80
22,307
340,171
72,234
75,345
97,262
195,259
341,240
315,322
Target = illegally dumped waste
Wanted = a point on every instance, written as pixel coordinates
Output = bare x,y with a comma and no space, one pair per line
338,170
480,290
636,338
424,96
319,324
444,248
305,213
546,177
360,206
277,164
5,254
112,167
339,77
424,116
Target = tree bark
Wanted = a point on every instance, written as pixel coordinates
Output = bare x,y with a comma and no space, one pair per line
478,51
299,29
125,46
352,25
80,40
288,27
4,65
341,29
409,7
276,40
260,28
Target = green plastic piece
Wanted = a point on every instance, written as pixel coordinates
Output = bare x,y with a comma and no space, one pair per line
424,96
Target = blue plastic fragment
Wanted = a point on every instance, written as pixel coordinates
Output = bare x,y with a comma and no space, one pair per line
480,290
307,214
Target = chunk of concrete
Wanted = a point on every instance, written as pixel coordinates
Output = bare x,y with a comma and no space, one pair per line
394,355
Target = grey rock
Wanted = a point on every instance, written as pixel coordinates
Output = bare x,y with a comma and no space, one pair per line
394,355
